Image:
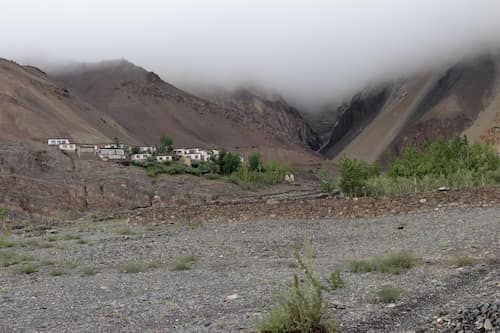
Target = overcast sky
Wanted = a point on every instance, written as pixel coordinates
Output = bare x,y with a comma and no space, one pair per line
310,50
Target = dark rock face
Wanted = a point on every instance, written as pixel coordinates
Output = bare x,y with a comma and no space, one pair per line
353,118
272,114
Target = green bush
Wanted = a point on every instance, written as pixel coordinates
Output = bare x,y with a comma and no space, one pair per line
388,294
271,174
454,164
301,308
228,163
326,182
354,175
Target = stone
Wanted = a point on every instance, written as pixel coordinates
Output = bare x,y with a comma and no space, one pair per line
423,200
232,297
488,325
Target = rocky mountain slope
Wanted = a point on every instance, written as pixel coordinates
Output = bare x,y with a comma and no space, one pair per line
149,107
464,98
33,107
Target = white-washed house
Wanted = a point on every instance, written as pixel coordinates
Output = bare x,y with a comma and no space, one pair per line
195,157
147,149
57,142
114,146
70,147
180,152
140,157
107,154
164,158
86,150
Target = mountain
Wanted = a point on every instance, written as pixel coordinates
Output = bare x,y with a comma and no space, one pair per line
34,108
148,107
464,98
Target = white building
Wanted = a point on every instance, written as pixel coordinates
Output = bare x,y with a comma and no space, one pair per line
164,158
71,147
180,152
107,154
140,157
114,146
57,142
147,149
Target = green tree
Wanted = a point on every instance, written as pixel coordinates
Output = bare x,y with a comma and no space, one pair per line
135,150
354,176
255,162
228,163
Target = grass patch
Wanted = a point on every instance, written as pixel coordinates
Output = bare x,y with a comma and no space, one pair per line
126,232
47,263
82,241
88,271
57,272
10,259
462,261
4,244
137,267
71,265
184,263
71,237
388,294
393,264
51,239
335,280
28,268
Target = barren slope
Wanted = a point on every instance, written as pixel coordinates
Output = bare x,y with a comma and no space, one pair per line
148,108
32,107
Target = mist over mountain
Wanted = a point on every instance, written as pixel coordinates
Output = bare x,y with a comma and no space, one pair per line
311,52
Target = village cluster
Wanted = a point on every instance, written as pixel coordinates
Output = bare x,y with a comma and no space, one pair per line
121,152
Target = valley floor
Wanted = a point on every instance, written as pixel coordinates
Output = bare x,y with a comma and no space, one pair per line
250,261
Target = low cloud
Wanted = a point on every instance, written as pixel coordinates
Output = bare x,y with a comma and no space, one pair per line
312,52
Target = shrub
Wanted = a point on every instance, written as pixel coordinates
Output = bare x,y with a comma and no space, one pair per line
354,175
28,268
6,244
393,264
57,272
255,162
71,237
326,182
228,163
184,263
301,308
388,294
271,174
462,261
126,232
88,271
335,280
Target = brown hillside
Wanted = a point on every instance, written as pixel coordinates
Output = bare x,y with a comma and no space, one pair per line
33,108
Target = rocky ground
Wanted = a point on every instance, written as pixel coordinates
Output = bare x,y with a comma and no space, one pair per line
222,277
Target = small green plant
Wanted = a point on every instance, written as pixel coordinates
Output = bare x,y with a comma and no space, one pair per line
184,263
57,272
71,237
335,280
47,263
354,175
301,308
4,243
51,239
388,294
88,271
28,268
326,182
393,264
8,259
126,232
82,242
71,265
462,261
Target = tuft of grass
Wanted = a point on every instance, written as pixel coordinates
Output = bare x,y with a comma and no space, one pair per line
462,261
8,259
88,271
184,263
388,294
335,280
392,263
132,267
71,265
47,263
51,238
4,243
71,237
82,242
45,245
126,232
28,268
57,272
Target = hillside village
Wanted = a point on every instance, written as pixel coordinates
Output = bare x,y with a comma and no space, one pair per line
121,152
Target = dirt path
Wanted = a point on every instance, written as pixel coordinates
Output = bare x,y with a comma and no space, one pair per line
250,259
